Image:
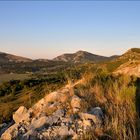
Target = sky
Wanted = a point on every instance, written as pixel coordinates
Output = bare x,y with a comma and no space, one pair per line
45,29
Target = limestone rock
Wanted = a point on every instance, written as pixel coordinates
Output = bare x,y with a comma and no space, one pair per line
66,120
38,124
65,132
21,114
41,105
59,113
86,116
52,120
56,96
75,103
10,133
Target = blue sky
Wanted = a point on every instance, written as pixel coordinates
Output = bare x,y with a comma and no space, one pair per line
46,29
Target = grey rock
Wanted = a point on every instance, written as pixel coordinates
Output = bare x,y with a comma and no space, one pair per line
52,120
3,125
30,135
39,124
64,132
97,111
59,113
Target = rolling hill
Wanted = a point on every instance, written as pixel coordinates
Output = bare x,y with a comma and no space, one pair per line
10,63
131,55
81,57
78,89
6,58
128,63
130,60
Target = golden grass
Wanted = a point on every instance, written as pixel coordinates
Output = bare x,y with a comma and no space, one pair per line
117,97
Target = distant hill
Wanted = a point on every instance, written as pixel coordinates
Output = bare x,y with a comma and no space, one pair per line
129,68
131,62
72,102
6,58
81,57
128,63
131,54
16,64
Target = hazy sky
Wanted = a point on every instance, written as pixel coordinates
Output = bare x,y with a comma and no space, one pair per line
45,29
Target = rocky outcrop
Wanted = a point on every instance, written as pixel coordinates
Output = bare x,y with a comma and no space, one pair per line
21,114
10,133
76,103
51,118
5,126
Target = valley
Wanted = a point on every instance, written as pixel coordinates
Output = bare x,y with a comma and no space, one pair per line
75,84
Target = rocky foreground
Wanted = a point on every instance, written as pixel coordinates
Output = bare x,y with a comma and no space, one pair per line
59,115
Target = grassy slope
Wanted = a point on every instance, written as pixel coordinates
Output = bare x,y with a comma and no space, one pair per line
27,97
117,96
8,77
32,90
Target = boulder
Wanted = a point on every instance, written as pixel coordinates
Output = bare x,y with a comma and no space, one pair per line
53,97
57,96
76,104
40,105
10,133
39,124
96,115
55,117
61,123
53,105
65,132
86,116
52,120
97,111
21,114
60,113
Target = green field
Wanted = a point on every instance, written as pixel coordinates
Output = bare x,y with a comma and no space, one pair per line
8,77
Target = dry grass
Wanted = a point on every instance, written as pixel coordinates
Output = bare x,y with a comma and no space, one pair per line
117,97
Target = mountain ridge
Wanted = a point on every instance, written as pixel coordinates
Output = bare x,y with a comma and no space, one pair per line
6,57
81,56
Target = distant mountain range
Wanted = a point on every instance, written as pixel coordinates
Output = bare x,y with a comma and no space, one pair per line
129,62
83,56
78,57
5,58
